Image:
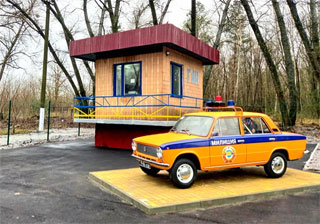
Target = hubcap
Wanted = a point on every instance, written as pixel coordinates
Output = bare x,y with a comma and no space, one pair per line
185,173
277,164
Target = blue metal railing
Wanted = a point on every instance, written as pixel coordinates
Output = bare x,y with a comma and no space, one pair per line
91,103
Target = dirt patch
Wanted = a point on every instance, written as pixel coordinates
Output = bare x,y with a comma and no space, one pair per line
35,137
312,131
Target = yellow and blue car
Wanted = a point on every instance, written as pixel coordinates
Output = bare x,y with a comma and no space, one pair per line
224,137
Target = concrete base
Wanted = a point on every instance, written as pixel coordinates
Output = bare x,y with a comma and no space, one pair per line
157,194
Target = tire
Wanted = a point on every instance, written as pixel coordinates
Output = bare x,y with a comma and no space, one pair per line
276,166
151,172
183,173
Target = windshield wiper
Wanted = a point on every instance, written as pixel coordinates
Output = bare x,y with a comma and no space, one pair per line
185,131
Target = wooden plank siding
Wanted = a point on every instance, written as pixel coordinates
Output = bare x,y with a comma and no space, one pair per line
156,79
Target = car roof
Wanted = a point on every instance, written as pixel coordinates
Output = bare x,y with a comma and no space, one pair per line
225,114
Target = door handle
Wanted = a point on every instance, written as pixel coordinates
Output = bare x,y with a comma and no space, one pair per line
272,139
241,140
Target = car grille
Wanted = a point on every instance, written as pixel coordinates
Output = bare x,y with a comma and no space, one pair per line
149,150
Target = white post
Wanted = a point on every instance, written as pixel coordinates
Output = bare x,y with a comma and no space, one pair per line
41,119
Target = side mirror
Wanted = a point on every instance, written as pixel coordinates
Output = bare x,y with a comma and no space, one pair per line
214,134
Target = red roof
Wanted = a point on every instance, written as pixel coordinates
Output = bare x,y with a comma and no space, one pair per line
143,40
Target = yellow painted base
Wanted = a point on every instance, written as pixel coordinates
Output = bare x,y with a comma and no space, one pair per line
157,194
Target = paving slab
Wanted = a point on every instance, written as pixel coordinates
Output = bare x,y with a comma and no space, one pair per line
218,188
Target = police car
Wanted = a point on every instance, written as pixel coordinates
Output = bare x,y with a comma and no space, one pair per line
218,138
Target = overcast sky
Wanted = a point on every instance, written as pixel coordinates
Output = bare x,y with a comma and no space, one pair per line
176,15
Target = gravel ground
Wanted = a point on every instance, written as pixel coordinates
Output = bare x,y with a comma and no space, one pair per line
34,138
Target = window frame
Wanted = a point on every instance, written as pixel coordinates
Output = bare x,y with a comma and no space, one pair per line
122,79
172,64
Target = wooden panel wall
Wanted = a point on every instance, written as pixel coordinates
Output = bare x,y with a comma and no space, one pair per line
156,79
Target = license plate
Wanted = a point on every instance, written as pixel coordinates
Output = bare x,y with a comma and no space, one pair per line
145,165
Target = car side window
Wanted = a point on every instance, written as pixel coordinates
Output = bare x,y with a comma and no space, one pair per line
227,127
254,125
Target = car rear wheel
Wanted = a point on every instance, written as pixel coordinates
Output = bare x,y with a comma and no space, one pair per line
152,172
183,173
276,166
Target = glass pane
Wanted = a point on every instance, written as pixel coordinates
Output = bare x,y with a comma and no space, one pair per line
132,79
194,125
264,127
118,80
254,125
176,79
229,126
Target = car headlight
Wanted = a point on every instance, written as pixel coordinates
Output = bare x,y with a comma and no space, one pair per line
133,146
159,152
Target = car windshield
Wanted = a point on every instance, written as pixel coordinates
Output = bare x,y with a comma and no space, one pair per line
193,125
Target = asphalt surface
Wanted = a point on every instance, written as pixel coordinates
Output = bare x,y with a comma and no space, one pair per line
49,184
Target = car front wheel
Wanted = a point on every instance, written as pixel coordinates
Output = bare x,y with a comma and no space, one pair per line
276,166
183,173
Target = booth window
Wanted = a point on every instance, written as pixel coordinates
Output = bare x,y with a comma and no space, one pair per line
127,79
176,79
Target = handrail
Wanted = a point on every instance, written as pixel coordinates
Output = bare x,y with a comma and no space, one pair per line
106,103
89,105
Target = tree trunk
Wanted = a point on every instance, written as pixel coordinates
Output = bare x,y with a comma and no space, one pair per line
153,12
193,17
312,55
86,19
164,12
270,62
102,15
288,64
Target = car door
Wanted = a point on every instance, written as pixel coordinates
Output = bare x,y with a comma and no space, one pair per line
258,139
227,147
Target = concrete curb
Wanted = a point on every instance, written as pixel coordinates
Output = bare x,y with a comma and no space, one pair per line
199,204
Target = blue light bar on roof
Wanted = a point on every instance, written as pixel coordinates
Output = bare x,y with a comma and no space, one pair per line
230,103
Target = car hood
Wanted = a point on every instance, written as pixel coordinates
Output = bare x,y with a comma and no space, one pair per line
167,139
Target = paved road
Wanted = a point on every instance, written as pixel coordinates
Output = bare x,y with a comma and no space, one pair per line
48,184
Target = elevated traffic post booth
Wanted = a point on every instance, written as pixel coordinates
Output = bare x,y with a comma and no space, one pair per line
146,79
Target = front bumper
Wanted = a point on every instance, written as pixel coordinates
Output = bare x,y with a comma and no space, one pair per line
150,161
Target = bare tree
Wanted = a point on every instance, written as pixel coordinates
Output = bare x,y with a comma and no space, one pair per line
163,11
10,46
311,45
271,65
288,64
208,71
86,18
114,13
13,29
137,15
33,23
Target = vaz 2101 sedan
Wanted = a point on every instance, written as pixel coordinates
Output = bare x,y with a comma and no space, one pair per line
218,140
